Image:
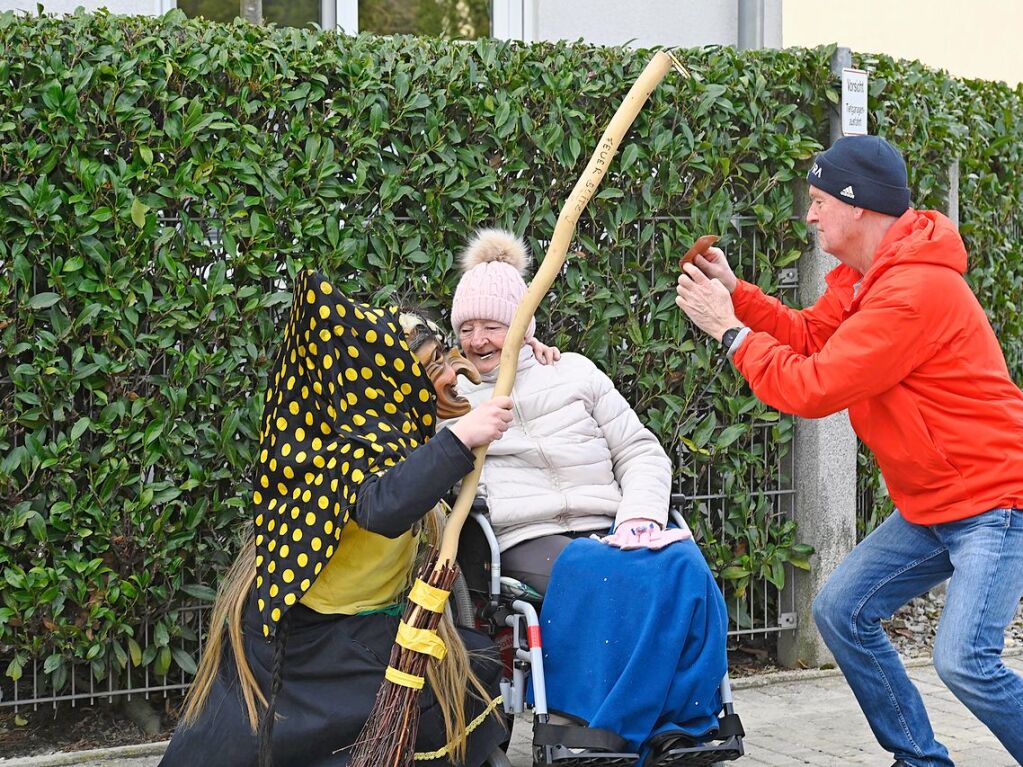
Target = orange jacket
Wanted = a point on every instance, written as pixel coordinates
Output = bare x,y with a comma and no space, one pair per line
911,354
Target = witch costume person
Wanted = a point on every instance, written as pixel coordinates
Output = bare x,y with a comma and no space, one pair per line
348,490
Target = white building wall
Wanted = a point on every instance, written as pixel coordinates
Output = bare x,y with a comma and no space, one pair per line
639,23
64,7
644,23
976,39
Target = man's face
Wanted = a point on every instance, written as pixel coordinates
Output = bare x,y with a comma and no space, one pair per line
482,341
443,367
836,222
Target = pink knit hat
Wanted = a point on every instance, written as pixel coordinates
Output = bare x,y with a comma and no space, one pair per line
491,285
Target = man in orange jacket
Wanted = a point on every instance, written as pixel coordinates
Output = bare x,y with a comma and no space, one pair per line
898,339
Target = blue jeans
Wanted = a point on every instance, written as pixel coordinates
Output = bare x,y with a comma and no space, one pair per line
983,558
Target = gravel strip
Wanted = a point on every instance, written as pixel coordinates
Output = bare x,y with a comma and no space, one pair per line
913,627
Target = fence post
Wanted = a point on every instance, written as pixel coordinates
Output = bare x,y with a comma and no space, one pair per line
252,11
825,469
952,201
952,211
751,15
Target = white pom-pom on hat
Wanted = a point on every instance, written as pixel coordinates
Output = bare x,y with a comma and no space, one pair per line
495,245
491,287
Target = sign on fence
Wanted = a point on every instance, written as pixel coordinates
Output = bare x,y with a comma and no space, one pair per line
854,102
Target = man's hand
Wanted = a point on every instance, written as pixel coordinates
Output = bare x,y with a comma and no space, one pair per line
714,264
707,302
485,423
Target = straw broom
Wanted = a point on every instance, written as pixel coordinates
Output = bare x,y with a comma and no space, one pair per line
389,735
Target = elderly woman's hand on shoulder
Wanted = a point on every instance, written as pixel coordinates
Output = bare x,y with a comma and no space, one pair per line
544,354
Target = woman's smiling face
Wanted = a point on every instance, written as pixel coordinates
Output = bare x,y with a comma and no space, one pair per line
482,342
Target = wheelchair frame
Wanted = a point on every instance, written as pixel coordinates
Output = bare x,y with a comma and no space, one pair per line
527,659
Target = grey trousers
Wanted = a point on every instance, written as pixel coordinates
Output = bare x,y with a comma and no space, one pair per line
531,561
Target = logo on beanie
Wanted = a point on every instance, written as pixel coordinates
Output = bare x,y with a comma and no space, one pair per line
848,192
816,170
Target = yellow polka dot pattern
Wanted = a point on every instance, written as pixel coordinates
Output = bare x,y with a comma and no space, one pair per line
343,403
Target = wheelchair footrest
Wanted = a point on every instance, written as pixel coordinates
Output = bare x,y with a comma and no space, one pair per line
562,756
579,746
699,754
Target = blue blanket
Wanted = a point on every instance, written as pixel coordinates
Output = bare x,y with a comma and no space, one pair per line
634,641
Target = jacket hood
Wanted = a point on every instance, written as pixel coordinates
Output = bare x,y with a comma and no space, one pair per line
918,237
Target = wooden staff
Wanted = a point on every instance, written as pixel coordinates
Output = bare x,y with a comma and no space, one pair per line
552,263
389,735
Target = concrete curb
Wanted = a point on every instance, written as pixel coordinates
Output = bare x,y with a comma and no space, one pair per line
796,675
65,758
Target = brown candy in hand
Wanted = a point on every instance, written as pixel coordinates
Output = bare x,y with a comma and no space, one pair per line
698,249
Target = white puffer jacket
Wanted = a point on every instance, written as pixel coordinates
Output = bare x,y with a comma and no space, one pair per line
575,458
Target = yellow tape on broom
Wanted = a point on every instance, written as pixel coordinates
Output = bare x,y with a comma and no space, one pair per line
428,597
422,641
405,680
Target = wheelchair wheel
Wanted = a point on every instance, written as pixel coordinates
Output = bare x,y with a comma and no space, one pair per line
461,604
498,759
464,614
509,723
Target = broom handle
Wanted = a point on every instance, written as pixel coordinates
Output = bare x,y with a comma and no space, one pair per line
584,188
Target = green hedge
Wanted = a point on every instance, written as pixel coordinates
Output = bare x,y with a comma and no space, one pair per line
160,179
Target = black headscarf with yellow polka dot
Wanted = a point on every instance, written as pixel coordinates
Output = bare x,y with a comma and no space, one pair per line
346,399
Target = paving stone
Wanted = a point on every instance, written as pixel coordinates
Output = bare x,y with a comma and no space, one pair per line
789,719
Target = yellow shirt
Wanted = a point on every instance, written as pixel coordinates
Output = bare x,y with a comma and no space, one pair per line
367,572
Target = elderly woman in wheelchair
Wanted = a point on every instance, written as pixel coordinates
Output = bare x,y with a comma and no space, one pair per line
574,511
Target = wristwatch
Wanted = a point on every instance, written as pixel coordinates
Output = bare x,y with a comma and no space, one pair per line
728,338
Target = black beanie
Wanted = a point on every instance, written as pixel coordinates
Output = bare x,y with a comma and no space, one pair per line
865,171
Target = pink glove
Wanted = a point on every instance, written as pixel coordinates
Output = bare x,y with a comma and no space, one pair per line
644,534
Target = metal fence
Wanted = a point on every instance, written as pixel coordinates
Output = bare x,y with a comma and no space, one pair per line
32,690
764,610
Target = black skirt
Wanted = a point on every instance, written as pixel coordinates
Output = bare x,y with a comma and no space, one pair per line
333,667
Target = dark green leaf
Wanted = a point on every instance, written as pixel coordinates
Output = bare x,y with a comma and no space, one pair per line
43,300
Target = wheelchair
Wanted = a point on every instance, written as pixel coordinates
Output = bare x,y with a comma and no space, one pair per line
507,610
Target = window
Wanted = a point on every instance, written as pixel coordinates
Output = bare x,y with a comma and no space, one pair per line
456,19
213,10
290,13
